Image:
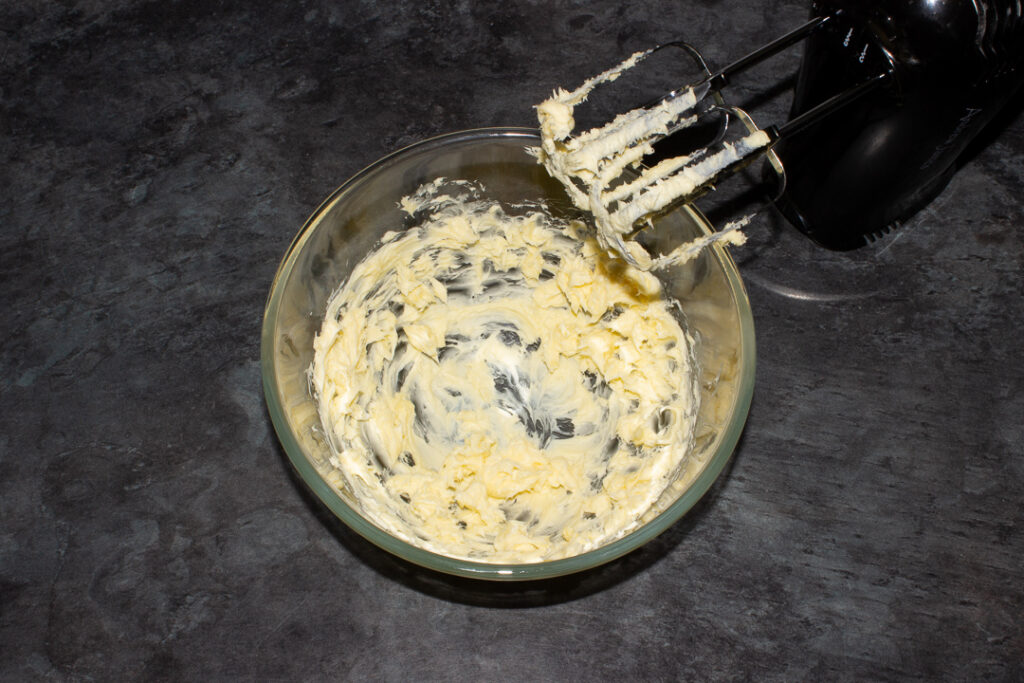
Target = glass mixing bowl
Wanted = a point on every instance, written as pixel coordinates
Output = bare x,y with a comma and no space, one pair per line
350,223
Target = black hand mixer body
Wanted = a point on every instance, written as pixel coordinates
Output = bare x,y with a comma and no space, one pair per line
951,65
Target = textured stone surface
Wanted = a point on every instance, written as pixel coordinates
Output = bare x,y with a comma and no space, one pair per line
158,157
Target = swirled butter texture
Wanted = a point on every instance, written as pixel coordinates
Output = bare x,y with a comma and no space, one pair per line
495,388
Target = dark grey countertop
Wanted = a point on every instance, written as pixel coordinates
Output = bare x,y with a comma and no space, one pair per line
158,158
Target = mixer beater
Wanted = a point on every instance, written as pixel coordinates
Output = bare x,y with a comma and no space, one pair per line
889,95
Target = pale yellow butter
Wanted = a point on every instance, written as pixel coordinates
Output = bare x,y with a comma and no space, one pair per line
493,390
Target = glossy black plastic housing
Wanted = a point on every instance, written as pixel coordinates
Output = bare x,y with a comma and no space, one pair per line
862,170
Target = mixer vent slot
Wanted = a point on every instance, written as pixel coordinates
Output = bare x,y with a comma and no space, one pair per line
999,21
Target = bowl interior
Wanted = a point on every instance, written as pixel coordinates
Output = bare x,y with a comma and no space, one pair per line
351,222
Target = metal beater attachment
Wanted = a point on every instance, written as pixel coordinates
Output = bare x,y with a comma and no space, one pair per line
605,169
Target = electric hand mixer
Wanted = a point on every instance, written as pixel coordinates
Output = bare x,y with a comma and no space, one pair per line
889,95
